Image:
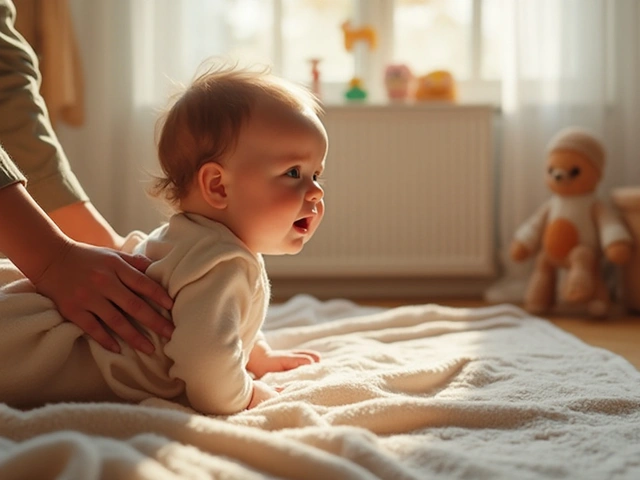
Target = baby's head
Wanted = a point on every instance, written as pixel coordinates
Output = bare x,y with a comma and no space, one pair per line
246,148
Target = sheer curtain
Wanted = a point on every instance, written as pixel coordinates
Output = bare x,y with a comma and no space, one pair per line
134,53
568,63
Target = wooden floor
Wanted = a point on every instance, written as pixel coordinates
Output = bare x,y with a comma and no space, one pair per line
620,333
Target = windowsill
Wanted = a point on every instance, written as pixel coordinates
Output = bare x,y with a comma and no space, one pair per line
468,94
389,105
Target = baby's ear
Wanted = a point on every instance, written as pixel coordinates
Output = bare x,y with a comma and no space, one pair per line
211,184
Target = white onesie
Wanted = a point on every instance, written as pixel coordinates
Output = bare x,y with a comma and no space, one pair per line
221,293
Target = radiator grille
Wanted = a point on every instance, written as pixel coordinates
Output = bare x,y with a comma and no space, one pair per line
409,192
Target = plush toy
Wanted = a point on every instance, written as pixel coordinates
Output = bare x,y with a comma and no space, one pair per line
572,229
437,86
356,90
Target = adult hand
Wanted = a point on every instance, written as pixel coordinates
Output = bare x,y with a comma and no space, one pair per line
92,286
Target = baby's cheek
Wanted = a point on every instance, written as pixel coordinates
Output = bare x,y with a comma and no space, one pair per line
320,208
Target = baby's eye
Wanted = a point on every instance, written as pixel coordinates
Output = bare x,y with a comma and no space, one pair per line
293,173
318,178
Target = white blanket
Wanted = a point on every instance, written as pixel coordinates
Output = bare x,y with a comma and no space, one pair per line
407,393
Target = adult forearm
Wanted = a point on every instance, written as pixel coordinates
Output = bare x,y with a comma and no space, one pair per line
27,235
82,222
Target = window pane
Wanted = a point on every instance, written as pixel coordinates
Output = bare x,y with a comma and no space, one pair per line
491,61
311,29
250,30
433,35
238,30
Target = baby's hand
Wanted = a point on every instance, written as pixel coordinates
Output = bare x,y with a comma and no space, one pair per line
261,392
267,360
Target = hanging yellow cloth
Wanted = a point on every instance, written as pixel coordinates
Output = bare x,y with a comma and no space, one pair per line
48,27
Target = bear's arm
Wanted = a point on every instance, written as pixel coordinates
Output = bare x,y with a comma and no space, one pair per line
531,231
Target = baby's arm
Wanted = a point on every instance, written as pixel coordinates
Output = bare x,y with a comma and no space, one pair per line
261,393
263,359
206,346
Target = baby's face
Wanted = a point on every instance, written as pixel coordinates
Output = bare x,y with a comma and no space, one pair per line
275,200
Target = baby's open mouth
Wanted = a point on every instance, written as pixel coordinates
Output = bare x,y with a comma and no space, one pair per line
302,224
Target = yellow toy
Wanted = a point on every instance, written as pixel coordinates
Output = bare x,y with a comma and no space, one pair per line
352,35
571,229
436,86
364,37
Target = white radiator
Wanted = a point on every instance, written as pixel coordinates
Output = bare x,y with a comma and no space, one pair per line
408,193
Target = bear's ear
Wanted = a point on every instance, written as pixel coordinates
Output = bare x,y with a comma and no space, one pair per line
211,182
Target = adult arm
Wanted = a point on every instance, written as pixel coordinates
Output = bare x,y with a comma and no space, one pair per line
82,222
86,283
27,135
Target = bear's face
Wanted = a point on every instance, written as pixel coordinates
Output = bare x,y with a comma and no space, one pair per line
570,173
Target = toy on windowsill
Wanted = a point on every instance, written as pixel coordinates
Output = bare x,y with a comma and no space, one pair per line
398,79
315,77
352,35
355,92
572,229
437,86
361,39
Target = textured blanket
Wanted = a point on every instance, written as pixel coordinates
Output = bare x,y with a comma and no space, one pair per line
407,393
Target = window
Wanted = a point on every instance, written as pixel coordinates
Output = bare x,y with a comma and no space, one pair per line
461,36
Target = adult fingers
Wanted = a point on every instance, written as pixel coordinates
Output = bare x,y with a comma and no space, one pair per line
139,309
140,262
141,283
121,326
90,325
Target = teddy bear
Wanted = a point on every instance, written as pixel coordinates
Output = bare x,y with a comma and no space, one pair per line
571,231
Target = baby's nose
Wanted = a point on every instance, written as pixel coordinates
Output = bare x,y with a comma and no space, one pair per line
315,193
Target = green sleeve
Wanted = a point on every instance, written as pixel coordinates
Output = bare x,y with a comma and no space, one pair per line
9,173
26,133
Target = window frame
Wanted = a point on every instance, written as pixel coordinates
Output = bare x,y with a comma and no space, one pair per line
370,65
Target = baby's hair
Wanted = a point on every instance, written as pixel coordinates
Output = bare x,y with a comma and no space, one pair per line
203,123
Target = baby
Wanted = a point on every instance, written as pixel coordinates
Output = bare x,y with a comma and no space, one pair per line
241,154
